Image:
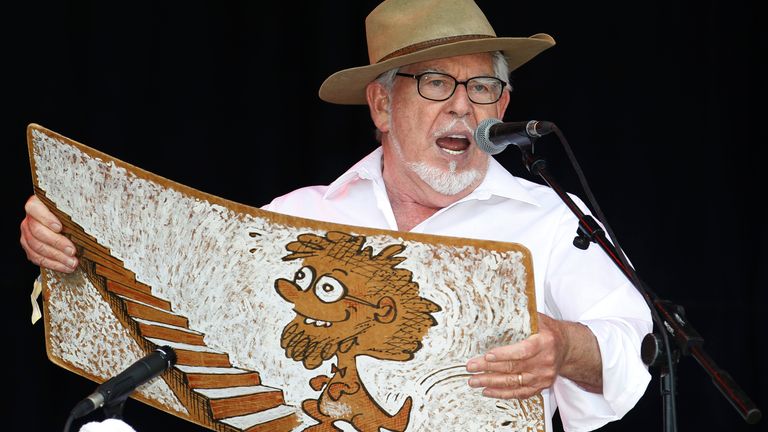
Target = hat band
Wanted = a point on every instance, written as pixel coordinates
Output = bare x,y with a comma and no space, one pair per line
431,43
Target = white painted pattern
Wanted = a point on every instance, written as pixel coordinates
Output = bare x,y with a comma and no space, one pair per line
195,254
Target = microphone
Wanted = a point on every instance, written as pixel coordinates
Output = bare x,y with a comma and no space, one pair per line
119,387
493,136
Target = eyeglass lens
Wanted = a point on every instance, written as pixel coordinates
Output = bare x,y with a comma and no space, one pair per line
481,90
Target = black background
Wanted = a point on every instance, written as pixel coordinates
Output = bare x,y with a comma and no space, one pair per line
664,103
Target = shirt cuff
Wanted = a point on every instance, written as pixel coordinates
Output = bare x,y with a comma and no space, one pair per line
625,377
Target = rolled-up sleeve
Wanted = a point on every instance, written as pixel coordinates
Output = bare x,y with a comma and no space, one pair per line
585,286
619,331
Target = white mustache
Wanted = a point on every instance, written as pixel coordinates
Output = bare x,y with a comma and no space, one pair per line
450,127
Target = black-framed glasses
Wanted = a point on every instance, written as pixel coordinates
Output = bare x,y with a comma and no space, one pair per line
437,86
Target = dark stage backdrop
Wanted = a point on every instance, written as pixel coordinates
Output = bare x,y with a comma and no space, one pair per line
663,101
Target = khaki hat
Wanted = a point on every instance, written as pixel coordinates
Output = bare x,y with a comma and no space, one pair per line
402,32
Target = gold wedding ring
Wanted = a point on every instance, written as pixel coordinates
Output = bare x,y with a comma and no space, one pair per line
520,379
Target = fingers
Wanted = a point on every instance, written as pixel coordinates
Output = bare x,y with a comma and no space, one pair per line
504,359
38,211
41,241
48,257
506,386
500,393
539,350
520,370
506,372
498,380
39,236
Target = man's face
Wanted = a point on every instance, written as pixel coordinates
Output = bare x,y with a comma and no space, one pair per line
430,144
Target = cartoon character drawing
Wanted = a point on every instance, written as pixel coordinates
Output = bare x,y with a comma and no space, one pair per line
348,303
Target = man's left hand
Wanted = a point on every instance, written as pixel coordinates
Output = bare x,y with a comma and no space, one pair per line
524,369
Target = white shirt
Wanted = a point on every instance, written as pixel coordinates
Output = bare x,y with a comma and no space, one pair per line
571,284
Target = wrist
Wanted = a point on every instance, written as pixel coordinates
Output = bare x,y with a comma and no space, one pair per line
582,362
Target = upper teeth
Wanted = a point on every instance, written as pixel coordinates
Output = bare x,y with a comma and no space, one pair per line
317,323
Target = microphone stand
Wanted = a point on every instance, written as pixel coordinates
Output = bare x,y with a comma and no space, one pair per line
114,409
669,317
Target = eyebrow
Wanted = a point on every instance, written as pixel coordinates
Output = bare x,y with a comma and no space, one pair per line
341,271
431,70
428,70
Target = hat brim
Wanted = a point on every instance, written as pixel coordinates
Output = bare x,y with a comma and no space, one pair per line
347,87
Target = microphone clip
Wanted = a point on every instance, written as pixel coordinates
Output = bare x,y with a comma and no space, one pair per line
586,232
114,408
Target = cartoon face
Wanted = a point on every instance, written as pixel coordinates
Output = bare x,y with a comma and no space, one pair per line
351,302
322,296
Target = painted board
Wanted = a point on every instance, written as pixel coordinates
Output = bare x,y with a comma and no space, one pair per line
279,323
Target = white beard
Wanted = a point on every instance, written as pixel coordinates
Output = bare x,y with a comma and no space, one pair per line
447,182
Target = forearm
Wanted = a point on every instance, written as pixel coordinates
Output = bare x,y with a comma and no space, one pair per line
582,363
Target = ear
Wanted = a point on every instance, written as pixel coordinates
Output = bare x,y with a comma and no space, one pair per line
387,311
378,101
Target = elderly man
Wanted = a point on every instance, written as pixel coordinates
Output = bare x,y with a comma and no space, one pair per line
436,70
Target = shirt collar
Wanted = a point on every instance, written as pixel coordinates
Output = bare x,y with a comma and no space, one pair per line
368,168
497,182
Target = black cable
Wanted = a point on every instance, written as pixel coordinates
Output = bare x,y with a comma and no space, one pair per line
68,423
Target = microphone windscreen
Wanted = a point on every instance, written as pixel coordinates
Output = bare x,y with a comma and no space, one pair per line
108,425
483,136
170,354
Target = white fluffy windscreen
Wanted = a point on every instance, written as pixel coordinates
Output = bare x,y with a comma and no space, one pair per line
108,425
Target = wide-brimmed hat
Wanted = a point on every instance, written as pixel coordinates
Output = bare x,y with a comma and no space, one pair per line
402,32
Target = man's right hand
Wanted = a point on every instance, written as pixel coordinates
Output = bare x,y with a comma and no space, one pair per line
41,240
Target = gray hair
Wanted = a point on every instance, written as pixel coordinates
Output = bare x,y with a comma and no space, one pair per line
500,70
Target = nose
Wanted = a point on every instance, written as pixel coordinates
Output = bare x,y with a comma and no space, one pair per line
459,103
287,290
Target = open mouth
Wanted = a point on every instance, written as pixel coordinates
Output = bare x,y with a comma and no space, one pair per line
320,323
317,323
454,144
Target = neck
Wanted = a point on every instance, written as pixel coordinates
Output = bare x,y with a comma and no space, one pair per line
408,213
412,200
